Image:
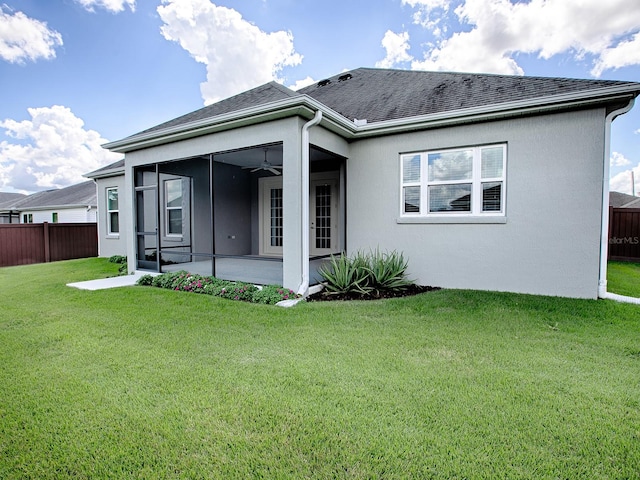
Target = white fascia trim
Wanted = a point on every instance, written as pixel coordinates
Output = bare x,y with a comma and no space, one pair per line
54,207
305,106
106,174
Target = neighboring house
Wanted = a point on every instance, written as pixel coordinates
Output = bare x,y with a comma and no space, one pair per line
7,215
110,184
482,181
623,200
74,204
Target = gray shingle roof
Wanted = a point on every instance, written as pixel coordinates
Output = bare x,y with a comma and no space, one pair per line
8,199
383,94
115,166
82,194
269,92
379,94
619,199
633,204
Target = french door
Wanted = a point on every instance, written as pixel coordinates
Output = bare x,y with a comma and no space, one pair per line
324,203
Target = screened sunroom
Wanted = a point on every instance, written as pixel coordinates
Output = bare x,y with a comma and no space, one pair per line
223,213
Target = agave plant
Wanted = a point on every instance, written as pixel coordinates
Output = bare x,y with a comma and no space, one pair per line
387,271
343,274
366,274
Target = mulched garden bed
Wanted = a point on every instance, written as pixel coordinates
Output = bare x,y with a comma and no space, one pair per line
324,296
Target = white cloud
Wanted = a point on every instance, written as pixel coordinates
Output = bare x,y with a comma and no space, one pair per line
396,45
238,55
619,160
501,29
23,38
623,54
305,82
429,13
51,150
622,181
114,6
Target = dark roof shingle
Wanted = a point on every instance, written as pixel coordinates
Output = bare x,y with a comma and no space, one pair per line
8,199
377,95
80,194
267,93
115,166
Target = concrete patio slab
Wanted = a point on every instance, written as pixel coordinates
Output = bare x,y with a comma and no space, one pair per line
104,283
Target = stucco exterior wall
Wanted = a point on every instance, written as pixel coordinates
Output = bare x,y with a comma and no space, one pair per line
113,244
549,243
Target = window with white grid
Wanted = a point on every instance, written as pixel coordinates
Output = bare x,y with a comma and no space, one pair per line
467,181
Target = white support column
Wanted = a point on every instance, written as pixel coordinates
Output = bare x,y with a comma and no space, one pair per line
292,209
127,218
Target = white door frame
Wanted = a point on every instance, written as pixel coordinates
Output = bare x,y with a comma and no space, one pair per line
265,187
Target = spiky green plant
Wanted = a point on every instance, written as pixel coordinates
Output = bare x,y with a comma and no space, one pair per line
366,273
343,274
387,271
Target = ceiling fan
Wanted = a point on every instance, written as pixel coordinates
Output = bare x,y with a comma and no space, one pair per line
265,165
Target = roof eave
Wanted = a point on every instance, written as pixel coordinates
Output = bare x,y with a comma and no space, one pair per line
305,106
301,105
603,96
105,174
55,207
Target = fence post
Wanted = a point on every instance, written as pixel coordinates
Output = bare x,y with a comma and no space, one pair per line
610,232
47,247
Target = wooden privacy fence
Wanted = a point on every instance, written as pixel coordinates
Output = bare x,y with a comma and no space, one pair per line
46,242
624,234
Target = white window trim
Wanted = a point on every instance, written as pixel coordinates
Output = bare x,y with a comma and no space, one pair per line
167,208
109,212
476,215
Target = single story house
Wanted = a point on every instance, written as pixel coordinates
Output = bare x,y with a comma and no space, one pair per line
73,204
487,182
7,200
623,200
110,182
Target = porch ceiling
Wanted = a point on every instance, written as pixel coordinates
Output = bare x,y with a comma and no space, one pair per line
254,156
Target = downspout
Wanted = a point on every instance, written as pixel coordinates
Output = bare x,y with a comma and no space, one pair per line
304,202
604,226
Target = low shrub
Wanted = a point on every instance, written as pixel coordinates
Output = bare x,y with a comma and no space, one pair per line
239,291
122,261
145,280
117,259
272,294
188,282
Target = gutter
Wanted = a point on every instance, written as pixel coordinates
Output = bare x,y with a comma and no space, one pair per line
55,207
106,174
301,105
303,289
604,226
306,106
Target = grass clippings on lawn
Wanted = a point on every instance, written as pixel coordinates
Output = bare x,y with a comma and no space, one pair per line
149,383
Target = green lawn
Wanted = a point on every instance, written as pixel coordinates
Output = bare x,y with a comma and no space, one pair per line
623,278
142,382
